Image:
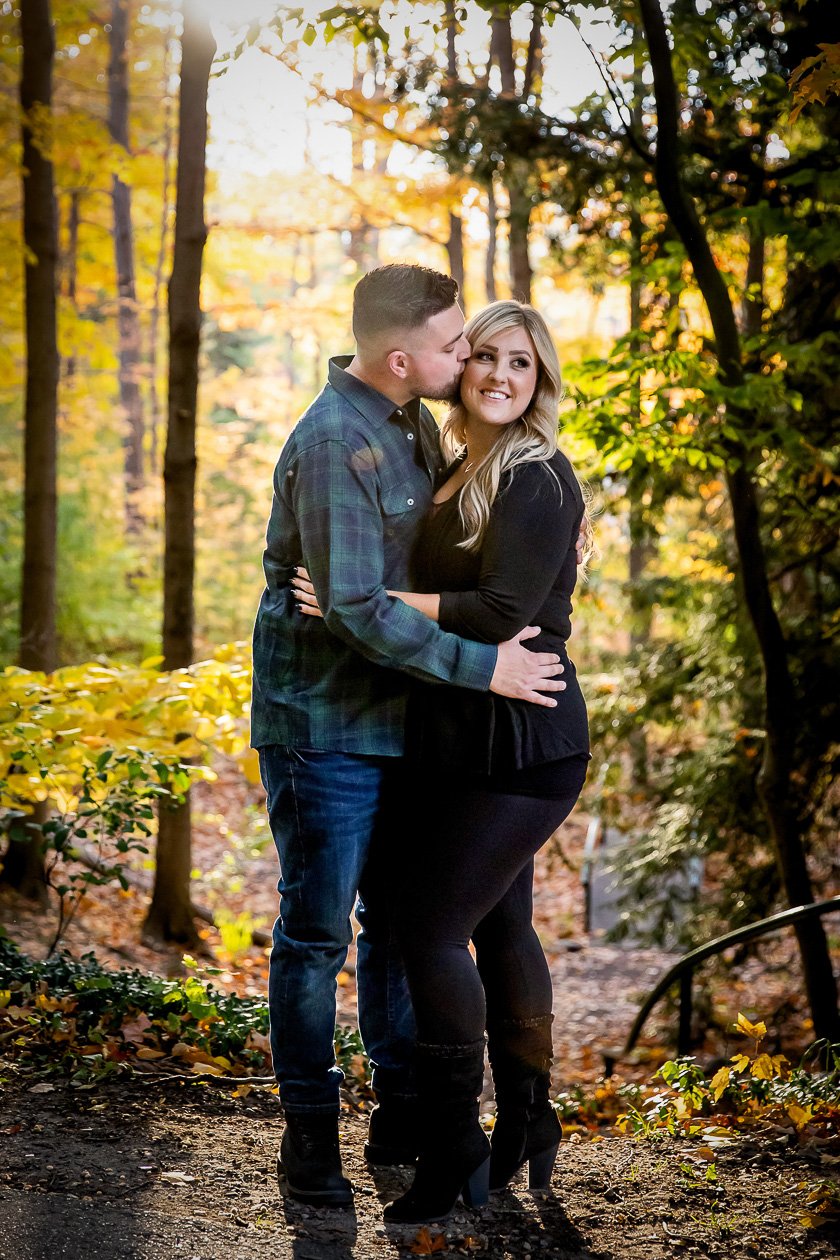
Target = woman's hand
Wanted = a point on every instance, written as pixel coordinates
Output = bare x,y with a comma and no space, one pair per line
307,601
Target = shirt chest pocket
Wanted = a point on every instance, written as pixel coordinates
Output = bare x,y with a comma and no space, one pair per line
402,499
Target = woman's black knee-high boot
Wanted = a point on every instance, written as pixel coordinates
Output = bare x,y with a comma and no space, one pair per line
454,1155
527,1129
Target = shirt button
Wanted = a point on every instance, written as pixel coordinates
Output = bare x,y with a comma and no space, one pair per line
410,437
398,412
410,502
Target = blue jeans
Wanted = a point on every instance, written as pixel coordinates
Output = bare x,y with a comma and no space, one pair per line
329,814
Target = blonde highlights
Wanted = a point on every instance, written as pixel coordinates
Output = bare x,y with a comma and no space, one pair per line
532,437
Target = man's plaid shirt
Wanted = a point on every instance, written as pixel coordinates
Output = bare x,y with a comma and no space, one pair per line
350,489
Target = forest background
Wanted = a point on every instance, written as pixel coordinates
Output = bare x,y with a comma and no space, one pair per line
670,208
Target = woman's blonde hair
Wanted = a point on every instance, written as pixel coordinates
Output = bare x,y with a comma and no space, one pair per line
532,437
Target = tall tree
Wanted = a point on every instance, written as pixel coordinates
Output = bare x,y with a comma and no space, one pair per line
128,316
775,783
455,240
23,863
170,914
152,354
517,166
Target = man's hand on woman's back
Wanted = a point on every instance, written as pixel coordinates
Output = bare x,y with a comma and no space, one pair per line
524,675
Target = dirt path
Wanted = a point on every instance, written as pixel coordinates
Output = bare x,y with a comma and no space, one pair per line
143,1171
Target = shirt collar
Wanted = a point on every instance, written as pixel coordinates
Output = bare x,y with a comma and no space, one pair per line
367,400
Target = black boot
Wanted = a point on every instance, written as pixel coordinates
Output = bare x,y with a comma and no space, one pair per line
527,1129
393,1131
309,1163
454,1155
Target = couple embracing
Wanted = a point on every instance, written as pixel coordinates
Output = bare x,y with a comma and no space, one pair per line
421,734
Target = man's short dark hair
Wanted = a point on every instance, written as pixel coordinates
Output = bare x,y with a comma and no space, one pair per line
401,295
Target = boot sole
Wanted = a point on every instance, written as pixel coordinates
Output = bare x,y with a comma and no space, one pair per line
313,1198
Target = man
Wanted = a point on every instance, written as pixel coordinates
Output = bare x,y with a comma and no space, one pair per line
350,489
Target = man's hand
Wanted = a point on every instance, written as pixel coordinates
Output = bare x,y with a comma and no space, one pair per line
523,675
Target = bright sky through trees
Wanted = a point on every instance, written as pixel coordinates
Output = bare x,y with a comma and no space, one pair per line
260,120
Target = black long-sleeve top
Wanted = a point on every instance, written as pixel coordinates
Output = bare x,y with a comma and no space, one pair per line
523,574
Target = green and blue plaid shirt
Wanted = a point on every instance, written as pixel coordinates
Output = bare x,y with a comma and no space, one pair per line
350,489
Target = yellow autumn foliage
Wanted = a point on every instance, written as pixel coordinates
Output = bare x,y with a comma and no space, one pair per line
53,726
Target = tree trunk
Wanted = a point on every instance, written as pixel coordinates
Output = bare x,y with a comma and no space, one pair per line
38,648
640,535
154,323
128,318
170,917
455,254
775,785
23,866
515,174
519,222
70,267
490,261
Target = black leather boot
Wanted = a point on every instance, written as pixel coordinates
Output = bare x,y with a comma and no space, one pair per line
454,1155
527,1129
393,1131
309,1164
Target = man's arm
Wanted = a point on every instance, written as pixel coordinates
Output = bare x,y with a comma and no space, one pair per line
334,495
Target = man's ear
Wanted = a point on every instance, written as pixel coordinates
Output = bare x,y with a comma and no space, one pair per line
398,363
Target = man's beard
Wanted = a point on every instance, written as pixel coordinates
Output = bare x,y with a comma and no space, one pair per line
450,393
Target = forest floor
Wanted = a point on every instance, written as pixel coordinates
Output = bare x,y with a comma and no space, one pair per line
598,986
145,1171
153,1170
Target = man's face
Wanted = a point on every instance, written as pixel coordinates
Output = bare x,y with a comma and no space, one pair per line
436,354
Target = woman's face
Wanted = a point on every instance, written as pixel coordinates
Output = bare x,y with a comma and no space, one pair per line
500,377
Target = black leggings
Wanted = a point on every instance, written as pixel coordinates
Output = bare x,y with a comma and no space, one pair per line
468,875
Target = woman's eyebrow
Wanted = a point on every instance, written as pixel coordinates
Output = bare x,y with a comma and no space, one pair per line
495,349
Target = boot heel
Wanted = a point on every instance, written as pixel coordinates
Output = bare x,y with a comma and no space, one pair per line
476,1190
540,1168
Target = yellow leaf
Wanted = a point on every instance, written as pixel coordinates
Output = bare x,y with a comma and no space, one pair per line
741,1062
704,1152
151,662
5,997
751,1030
719,1082
146,1052
799,1115
250,762
762,1068
242,1091
206,1069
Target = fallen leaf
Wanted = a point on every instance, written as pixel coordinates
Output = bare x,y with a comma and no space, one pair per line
146,1052
43,1088
425,1244
134,1030
177,1178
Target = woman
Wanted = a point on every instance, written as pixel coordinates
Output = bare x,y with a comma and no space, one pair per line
491,778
